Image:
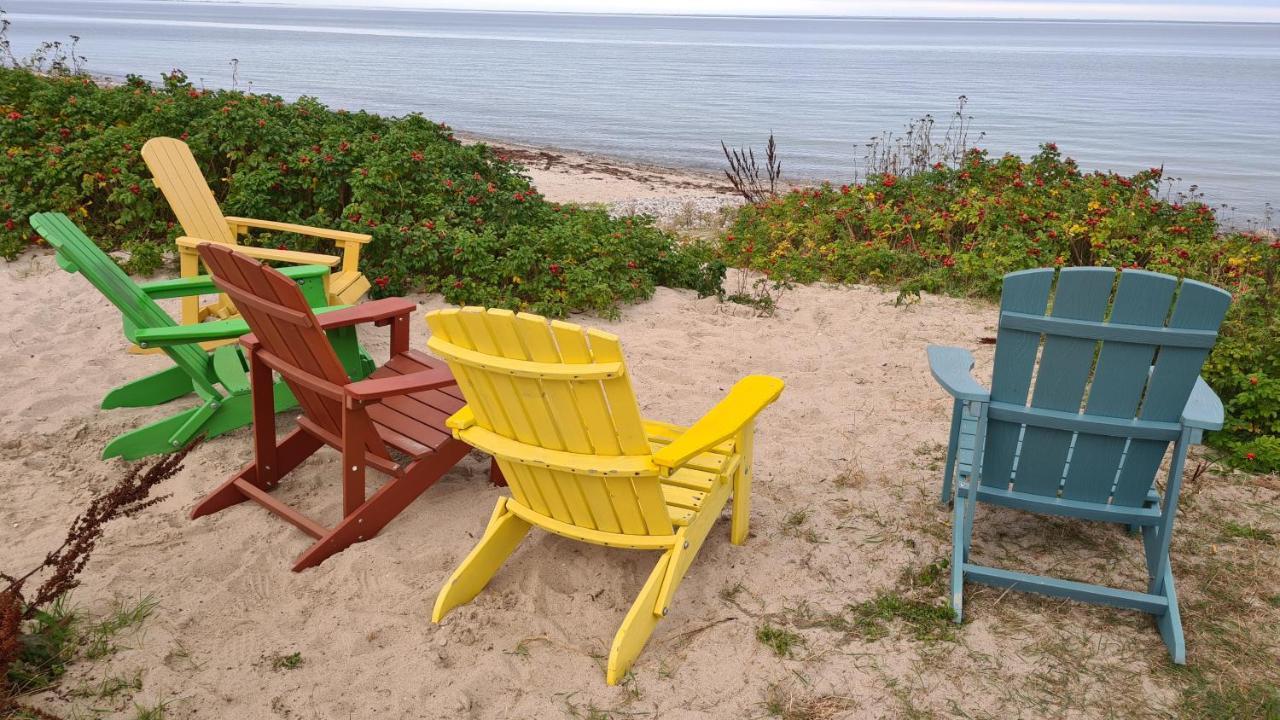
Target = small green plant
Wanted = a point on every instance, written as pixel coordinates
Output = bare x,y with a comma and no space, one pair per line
730,593
926,621
762,294
111,687
156,711
292,661
99,636
1259,701
780,640
1236,531
788,703
46,645
794,525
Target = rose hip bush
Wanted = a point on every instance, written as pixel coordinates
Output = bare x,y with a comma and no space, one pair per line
461,220
958,230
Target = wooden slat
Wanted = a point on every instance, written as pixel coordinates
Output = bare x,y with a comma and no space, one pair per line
1110,330
1199,307
564,424
643,505
519,368
1065,366
179,178
1142,299
286,513
694,479
683,497
1015,357
588,395
425,437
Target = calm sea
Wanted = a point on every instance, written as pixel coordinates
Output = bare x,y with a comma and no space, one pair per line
1201,99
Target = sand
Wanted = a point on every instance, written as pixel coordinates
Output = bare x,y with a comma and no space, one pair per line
854,444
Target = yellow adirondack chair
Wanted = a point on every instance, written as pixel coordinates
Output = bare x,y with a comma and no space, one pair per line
554,406
175,172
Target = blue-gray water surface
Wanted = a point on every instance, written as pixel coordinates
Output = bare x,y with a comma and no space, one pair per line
1201,99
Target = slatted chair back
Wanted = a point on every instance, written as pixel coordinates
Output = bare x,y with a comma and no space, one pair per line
77,253
554,405
1091,375
175,172
292,343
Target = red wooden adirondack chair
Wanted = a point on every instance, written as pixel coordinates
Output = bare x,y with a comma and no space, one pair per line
401,407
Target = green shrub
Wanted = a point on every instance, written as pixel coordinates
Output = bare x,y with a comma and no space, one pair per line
958,230
445,217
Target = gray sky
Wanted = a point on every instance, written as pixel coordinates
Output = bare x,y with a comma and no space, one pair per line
1221,10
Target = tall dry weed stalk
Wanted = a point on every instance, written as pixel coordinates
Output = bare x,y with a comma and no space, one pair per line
744,171
916,150
129,496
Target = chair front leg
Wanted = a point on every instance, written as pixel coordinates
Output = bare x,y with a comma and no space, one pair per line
741,519
353,460
953,448
262,386
962,524
189,266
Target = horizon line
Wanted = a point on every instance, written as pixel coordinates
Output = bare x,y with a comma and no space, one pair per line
352,5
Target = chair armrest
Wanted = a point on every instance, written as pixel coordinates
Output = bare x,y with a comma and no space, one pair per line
378,388
203,284
203,332
745,400
461,420
257,253
376,311
951,367
1203,410
190,334
240,226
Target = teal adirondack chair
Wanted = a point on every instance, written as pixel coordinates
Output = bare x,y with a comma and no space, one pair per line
1116,360
219,378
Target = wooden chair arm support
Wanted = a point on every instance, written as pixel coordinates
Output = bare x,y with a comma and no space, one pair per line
257,253
241,226
379,312
376,389
745,400
203,284
1203,410
951,367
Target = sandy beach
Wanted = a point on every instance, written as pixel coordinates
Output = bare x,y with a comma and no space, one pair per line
845,512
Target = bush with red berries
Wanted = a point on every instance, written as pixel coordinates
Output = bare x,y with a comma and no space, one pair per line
958,228
461,220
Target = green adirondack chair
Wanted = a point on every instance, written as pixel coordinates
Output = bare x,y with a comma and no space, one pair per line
1116,361
219,378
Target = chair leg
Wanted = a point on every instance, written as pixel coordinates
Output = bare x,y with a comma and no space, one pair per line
638,625
1160,575
1170,623
155,389
368,519
296,447
150,439
953,448
959,554
496,478
741,520
504,533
